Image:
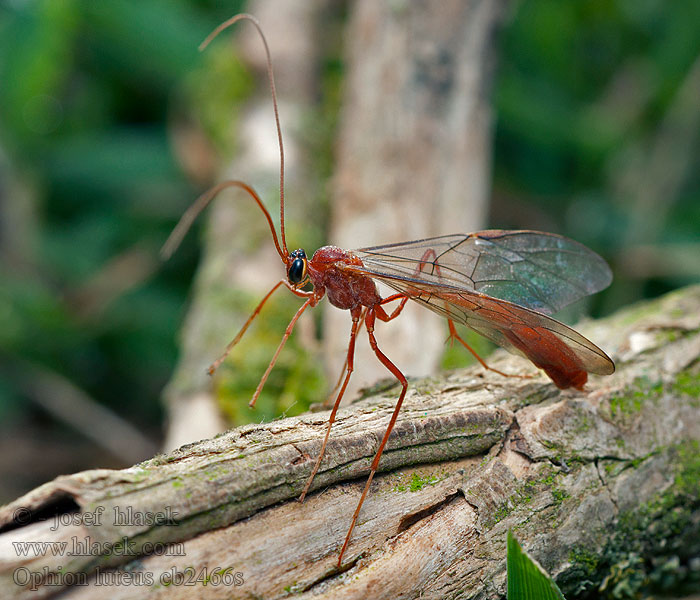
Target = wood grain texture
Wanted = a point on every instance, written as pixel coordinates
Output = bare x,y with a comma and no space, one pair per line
583,479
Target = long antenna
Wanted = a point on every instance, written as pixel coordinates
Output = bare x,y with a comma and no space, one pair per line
273,92
200,204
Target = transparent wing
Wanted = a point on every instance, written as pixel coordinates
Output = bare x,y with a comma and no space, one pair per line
541,271
563,353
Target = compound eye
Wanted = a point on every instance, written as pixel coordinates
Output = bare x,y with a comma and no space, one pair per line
297,271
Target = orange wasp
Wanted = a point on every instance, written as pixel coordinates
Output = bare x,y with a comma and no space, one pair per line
502,284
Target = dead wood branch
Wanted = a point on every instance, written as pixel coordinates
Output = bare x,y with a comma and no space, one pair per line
584,479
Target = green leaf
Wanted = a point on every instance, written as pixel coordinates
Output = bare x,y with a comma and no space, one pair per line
526,579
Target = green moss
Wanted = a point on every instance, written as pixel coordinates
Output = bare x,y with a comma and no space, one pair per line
687,478
637,312
668,335
140,475
687,383
524,495
294,588
418,482
584,424
211,475
645,553
548,481
634,396
624,406
157,460
559,495
501,513
425,387
584,560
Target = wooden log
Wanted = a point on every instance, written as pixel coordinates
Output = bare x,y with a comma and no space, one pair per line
594,485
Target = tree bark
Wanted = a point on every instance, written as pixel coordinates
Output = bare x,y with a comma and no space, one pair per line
594,485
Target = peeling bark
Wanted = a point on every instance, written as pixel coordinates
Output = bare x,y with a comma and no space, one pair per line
588,482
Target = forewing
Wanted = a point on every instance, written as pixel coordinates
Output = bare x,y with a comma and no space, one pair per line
541,271
518,329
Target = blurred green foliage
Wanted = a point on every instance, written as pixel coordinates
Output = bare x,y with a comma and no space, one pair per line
597,135
595,139
296,381
90,188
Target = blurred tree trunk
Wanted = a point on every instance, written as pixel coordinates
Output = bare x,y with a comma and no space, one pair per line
414,152
238,254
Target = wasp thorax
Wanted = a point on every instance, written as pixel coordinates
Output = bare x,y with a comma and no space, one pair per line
297,267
